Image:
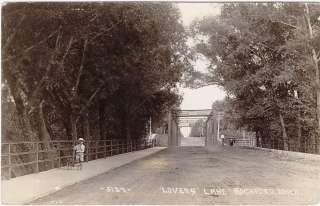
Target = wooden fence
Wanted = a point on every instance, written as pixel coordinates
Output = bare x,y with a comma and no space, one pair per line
42,156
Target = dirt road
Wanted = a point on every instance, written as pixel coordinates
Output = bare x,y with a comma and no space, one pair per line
194,175
192,141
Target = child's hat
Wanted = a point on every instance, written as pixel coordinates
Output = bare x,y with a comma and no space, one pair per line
81,139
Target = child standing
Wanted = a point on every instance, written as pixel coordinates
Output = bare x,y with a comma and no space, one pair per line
79,150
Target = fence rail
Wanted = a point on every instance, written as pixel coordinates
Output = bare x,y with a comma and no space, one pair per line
305,146
278,144
58,152
250,142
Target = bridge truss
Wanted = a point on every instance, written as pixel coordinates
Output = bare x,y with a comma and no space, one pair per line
214,124
185,118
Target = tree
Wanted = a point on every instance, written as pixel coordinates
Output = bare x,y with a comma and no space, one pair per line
258,57
78,61
197,128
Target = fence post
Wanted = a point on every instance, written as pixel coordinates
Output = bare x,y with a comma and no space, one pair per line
132,145
127,146
97,149
118,146
51,155
87,151
59,147
37,157
105,148
111,148
135,145
305,145
9,160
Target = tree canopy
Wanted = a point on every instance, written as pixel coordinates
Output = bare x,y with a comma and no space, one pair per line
96,70
265,56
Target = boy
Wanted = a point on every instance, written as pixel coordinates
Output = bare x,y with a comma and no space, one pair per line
79,150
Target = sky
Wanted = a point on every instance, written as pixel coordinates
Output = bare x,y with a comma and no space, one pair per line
191,11
201,98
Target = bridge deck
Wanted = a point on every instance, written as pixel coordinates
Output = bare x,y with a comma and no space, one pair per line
192,141
194,175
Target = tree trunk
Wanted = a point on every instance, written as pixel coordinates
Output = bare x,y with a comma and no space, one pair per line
284,133
101,120
87,127
73,123
258,142
128,130
74,134
23,117
315,59
66,125
263,139
128,122
298,143
44,134
316,140
25,123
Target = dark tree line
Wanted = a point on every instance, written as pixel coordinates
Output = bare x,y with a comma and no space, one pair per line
197,129
266,57
92,70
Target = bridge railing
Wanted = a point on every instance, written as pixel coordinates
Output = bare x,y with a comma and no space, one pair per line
305,146
248,142
40,156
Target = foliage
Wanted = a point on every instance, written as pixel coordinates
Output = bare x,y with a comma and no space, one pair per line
91,69
197,129
261,53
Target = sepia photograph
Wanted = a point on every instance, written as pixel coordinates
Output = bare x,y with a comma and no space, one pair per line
160,103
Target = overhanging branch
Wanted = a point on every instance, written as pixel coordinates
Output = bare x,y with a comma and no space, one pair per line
89,101
81,67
